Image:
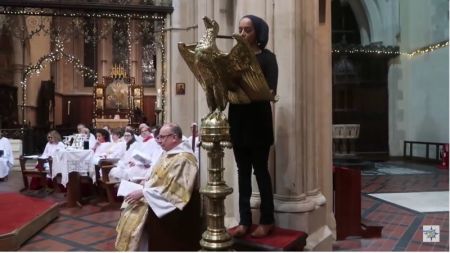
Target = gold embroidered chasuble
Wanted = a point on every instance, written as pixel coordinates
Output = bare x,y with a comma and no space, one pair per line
173,177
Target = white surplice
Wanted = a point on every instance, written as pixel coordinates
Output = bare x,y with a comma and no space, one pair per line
100,150
116,150
49,151
119,172
51,148
7,159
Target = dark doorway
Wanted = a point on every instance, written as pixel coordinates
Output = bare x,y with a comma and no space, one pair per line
360,94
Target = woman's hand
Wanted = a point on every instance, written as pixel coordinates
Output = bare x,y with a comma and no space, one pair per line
134,196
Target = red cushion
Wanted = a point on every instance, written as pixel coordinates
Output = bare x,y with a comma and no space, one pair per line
279,239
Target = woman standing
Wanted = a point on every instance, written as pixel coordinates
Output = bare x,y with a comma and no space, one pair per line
251,130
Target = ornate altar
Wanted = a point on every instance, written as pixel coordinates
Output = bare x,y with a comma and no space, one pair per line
118,101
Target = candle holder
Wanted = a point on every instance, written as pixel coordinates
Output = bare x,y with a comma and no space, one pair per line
157,118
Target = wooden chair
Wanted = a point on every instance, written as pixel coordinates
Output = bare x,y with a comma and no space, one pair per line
178,230
34,172
104,166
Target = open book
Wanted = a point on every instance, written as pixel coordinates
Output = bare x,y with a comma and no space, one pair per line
126,187
141,157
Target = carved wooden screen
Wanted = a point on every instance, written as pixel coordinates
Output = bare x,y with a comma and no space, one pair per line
114,98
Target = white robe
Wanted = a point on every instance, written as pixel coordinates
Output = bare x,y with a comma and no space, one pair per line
49,151
119,172
153,195
196,147
7,160
99,151
92,141
116,150
152,151
51,148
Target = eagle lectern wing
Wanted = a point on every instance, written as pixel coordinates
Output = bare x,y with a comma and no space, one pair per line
188,54
235,77
245,67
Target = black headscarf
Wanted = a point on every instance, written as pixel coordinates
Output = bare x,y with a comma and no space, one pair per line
261,30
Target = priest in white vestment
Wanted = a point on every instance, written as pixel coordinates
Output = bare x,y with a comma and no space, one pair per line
6,157
167,189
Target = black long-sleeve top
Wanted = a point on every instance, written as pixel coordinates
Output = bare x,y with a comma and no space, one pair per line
251,124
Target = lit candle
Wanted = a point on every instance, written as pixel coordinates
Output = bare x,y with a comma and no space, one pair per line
68,108
158,99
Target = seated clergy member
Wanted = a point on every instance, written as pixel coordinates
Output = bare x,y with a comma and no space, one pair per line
53,144
101,145
144,133
117,147
121,171
6,157
80,127
89,136
169,200
144,156
129,127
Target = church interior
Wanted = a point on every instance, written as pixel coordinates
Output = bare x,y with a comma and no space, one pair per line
361,120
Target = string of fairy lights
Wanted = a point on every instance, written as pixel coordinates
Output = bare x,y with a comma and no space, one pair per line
59,53
51,57
46,12
163,71
392,50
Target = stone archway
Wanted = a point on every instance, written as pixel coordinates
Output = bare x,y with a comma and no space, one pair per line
378,20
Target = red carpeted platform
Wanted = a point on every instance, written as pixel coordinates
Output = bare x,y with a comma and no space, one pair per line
281,239
21,217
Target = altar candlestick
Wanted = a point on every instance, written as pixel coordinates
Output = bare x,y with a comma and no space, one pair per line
158,99
68,108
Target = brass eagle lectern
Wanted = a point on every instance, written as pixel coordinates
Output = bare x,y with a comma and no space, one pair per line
234,77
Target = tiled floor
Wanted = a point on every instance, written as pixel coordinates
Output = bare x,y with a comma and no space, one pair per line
402,228
90,229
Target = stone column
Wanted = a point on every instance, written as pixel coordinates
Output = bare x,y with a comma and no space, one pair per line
302,152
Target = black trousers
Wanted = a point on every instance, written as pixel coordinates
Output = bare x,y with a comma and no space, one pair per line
256,158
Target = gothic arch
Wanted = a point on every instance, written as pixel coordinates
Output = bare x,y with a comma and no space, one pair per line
377,20
360,14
